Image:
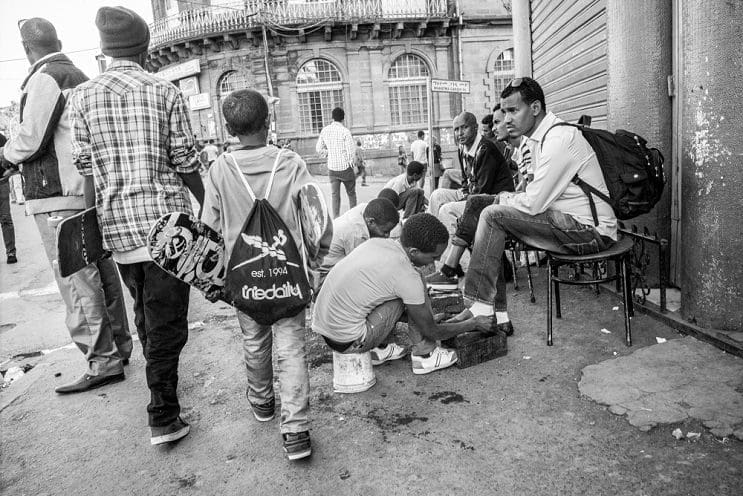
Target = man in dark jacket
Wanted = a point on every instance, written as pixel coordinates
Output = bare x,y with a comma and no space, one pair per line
484,171
96,316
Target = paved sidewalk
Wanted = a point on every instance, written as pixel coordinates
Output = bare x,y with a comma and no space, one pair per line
669,383
533,422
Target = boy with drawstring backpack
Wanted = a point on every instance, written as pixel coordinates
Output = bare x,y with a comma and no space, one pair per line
235,185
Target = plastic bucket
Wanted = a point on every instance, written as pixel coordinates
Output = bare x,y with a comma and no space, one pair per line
352,372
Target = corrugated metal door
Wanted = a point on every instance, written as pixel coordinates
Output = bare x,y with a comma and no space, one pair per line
569,57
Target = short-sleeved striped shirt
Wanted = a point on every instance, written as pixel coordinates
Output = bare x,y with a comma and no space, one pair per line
131,132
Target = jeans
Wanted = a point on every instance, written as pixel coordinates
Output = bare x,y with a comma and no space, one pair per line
6,221
348,178
441,197
160,314
550,231
291,353
95,311
464,236
412,201
381,322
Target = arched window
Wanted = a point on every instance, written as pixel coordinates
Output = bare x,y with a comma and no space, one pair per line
503,71
319,90
232,81
408,96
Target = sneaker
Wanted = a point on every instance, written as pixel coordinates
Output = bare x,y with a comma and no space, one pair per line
392,351
439,281
297,445
265,411
168,433
439,358
12,259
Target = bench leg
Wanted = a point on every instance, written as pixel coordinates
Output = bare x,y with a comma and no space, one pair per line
628,282
513,268
528,275
549,302
555,275
627,303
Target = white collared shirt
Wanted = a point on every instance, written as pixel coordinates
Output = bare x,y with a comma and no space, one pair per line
556,158
337,144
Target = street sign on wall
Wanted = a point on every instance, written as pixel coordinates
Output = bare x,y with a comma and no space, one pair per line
200,101
449,86
176,72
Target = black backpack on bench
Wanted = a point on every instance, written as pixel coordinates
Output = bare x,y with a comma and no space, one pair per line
633,173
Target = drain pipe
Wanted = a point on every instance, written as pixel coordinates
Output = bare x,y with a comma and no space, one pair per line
459,52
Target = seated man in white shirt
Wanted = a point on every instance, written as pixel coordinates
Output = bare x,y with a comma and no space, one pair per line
370,290
377,219
412,197
551,214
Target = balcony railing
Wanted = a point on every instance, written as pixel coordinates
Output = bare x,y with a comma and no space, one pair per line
277,14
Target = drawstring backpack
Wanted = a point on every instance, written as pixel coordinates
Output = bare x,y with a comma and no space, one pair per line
266,274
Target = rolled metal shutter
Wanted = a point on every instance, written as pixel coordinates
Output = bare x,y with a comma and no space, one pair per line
569,57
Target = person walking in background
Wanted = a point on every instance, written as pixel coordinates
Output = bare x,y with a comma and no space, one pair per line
402,158
212,152
359,163
95,312
6,220
336,143
137,170
419,152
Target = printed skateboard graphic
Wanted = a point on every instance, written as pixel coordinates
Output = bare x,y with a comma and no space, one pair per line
313,216
189,250
79,242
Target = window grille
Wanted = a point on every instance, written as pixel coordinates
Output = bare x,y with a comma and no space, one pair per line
408,95
319,91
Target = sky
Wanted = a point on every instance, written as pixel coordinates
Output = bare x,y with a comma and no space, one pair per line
75,24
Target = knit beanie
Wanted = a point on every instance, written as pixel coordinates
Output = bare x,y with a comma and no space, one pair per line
123,32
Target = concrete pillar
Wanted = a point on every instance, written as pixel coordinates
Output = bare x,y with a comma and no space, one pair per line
637,87
521,17
712,164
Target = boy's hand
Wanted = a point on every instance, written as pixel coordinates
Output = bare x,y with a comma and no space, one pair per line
482,323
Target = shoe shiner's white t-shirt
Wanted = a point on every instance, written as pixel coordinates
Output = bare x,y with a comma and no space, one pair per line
377,271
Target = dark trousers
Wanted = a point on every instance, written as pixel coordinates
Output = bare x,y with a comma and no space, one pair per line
160,314
412,201
348,178
6,221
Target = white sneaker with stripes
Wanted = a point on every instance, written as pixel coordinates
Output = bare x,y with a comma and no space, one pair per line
392,351
439,358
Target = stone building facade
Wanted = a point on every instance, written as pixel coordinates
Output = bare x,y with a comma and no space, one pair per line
371,57
669,70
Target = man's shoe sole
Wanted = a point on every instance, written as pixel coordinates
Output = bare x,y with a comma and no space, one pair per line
443,286
428,371
173,436
263,419
299,455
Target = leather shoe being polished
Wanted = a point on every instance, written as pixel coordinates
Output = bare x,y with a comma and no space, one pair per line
504,327
88,382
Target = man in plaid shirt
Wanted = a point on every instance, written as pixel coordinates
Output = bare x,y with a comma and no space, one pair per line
132,141
336,143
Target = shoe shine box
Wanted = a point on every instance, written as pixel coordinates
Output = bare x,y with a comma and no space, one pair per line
472,347
450,303
477,347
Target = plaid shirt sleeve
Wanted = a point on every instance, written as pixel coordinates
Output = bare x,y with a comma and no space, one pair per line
81,149
350,147
183,154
